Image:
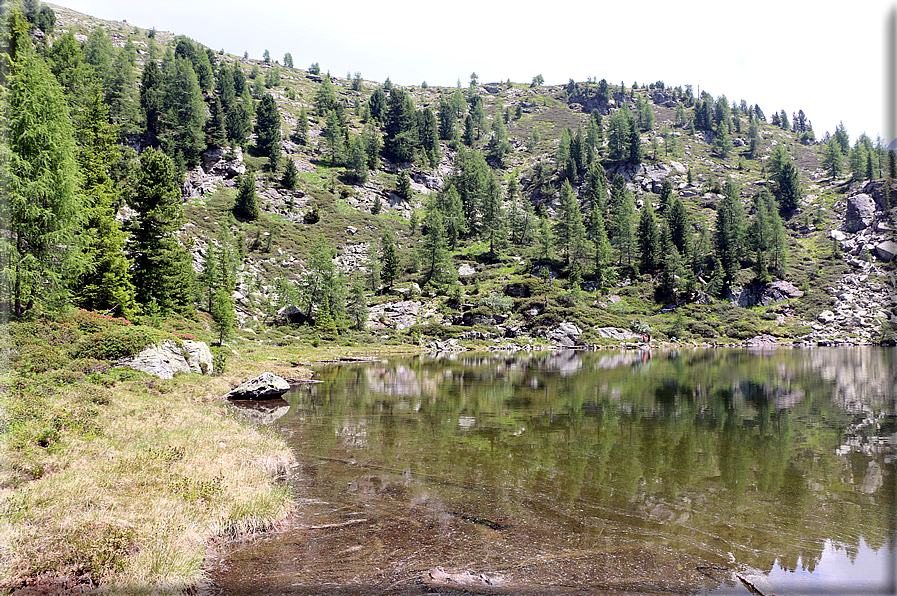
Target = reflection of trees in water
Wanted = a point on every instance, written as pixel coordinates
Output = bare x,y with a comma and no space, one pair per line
717,451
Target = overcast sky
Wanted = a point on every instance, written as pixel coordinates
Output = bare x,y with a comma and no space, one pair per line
824,59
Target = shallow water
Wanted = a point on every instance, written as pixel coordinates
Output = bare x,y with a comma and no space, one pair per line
699,471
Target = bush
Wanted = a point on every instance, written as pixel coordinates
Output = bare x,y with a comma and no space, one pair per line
497,302
94,322
119,342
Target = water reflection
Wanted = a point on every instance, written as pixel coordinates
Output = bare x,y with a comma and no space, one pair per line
692,470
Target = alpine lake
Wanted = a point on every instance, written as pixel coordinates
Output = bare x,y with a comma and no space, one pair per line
693,471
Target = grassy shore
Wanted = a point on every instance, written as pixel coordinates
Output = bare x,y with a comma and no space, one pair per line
116,478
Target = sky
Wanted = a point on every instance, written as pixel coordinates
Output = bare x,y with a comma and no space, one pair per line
826,59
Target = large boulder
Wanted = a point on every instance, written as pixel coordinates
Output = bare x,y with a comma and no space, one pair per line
564,335
860,212
170,357
886,250
766,295
292,315
265,386
615,333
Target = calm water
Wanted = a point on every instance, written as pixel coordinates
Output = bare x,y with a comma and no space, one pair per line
699,471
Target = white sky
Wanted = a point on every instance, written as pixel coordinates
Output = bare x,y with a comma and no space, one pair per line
826,59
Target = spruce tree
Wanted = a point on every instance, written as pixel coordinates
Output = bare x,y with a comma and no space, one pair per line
290,175
246,206
679,228
401,139
267,131
185,113
389,259
357,163
162,270
105,283
493,216
300,134
788,187
649,247
569,231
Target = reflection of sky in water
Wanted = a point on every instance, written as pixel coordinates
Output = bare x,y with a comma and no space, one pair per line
870,572
837,573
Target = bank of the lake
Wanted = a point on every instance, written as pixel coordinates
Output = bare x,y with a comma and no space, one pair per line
115,479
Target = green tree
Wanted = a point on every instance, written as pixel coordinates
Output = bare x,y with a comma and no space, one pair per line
290,175
434,254
246,205
300,134
288,60
722,142
267,131
41,213
185,113
357,163
648,241
358,308
216,128
679,228
729,234
389,259
788,186
494,222
162,267
569,231
105,284
401,127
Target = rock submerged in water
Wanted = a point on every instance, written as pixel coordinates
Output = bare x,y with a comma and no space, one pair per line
265,386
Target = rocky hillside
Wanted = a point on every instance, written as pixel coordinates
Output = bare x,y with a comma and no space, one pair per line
836,287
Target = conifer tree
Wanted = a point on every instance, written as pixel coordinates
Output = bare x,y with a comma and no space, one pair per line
494,227
389,259
832,160
105,283
300,134
569,231
401,127
788,186
246,206
603,251
434,255
373,141
679,228
290,175
42,209
185,113
267,131
162,269
121,94
216,131
357,163
649,247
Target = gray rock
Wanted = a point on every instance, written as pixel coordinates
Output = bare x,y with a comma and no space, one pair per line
826,316
564,334
199,356
615,333
291,315
860,212
886,250
466,269
169,357
265,386
838,235
263,411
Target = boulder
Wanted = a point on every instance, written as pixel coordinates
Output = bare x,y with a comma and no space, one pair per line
199,356
826,316
860,212
886,250
265,386
170,357
773,293
465,269
291,315
564,334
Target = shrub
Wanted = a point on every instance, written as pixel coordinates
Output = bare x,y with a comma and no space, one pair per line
119,342
94,322
497,303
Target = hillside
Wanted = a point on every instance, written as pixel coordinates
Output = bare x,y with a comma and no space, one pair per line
516,264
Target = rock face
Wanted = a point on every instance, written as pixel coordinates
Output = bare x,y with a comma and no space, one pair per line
773,293
860,212
265,386
168,358
614,333
886,250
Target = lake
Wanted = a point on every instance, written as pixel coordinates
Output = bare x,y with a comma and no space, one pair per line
609,472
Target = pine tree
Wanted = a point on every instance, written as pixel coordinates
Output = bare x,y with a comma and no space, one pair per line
788,187
300,134
122,96
246,206
357,163
216,131
493,216
403,185
679,228
358,309
649,247
162,269
105,283
401,127
185,113
433,251
569,231
832,160
39,176
290,175
267,131
389,259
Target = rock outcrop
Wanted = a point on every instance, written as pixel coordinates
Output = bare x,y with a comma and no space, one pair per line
170,357
265,386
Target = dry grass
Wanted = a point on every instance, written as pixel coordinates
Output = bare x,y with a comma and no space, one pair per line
135,502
